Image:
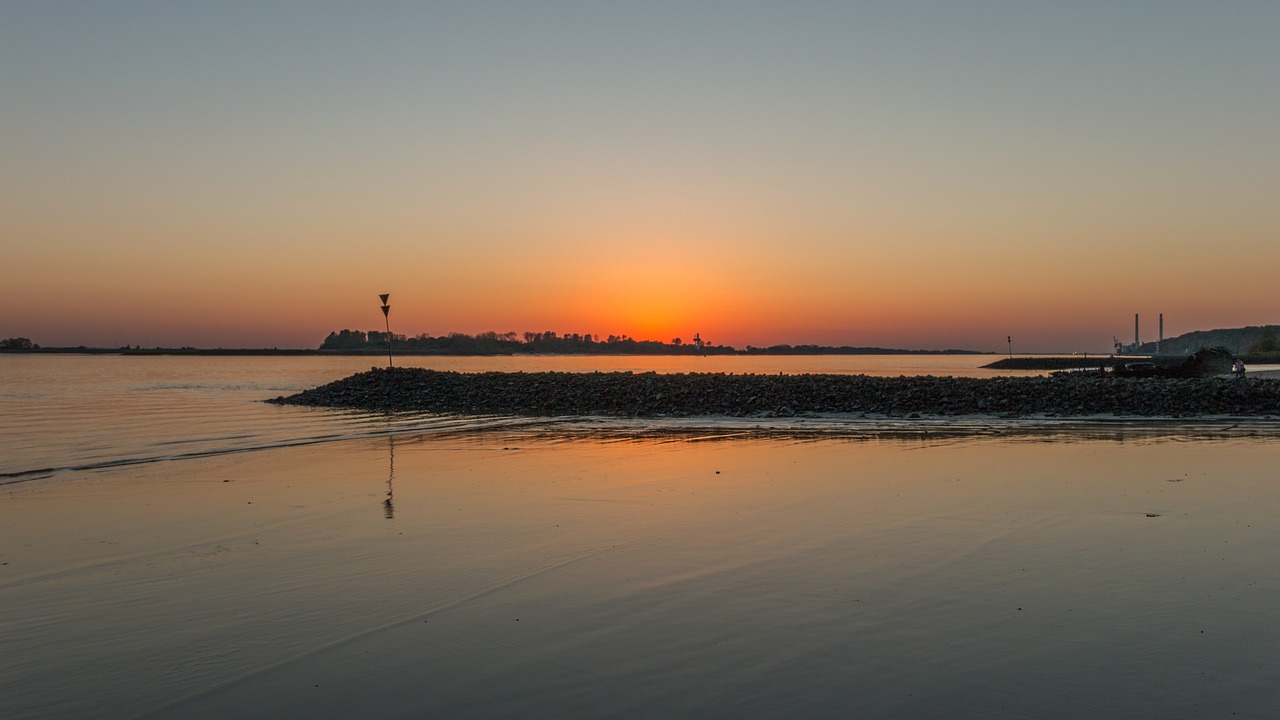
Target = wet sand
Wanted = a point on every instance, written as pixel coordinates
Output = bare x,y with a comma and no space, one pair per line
1126,574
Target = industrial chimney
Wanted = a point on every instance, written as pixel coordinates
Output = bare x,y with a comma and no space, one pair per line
1135,331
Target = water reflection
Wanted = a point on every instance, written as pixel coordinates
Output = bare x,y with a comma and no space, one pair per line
931,432
389,505
813,576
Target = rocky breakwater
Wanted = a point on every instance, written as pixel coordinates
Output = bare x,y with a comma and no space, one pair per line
698,394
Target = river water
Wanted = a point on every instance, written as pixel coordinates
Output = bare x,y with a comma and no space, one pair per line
61,412
171,546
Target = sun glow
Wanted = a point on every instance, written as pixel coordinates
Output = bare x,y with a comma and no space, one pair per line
659,290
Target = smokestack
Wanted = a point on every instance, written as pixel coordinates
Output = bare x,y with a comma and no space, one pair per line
1161,336
1135,331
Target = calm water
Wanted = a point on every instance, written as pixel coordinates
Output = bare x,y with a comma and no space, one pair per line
72,411
219,557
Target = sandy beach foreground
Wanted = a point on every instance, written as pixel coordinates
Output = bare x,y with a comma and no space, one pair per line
1125,574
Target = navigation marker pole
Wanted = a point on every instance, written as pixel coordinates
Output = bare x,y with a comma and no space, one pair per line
386,315
1009,338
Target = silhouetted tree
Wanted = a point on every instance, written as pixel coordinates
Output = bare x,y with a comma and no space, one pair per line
1267,343
345,340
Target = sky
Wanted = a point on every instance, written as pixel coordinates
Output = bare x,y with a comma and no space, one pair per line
917,175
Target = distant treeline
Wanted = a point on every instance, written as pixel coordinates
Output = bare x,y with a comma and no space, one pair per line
1254,339
18,343
847,350
509,343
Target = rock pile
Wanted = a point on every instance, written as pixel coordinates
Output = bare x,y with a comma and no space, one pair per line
696,394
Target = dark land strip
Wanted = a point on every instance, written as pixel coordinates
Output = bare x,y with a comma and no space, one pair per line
625,394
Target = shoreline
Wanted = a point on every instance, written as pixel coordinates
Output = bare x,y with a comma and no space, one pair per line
807,426
624,394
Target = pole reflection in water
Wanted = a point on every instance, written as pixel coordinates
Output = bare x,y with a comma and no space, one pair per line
388,505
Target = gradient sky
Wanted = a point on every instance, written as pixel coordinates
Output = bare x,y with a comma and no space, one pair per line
903,174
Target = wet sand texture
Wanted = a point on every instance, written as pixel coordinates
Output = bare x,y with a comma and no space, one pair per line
499,576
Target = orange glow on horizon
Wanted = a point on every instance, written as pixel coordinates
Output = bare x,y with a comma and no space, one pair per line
657,285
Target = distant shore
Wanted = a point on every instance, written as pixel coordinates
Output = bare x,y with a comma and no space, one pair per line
1070,362
1087,362
420,353
1036,362
703,394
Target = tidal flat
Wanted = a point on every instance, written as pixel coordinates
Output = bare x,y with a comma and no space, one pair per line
1127,571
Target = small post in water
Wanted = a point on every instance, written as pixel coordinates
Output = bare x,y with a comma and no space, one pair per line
1009,338
386,315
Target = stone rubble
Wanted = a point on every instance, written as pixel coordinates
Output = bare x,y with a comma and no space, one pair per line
625,394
